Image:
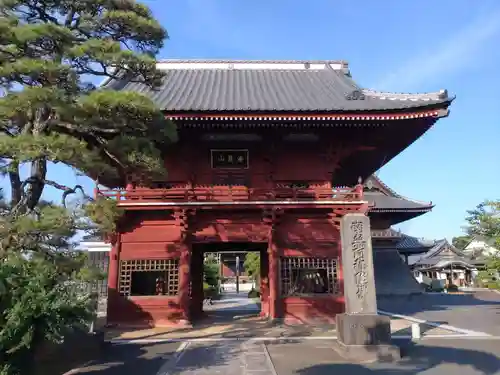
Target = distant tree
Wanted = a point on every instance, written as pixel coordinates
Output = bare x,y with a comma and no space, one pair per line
252,265
484,222
211,271
461,241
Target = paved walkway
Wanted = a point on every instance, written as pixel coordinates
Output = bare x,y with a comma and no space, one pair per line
226,347
478,311
236,316
225,358
232,303
429,357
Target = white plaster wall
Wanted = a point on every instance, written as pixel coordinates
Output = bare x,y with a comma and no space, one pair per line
231,287
478,246
95,246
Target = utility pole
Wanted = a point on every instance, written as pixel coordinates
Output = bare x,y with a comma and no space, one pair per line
237,273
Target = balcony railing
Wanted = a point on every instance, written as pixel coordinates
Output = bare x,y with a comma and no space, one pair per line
232,194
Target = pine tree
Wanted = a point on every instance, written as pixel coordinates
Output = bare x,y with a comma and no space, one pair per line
52,52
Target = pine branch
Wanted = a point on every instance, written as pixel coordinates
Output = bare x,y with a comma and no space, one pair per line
66,189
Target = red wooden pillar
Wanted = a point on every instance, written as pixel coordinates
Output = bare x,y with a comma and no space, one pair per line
196,307
113,273
273,275
264,283
184,281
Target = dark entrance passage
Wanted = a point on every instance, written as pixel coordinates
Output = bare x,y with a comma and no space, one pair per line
222,288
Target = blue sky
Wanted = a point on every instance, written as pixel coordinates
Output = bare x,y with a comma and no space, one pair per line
394,45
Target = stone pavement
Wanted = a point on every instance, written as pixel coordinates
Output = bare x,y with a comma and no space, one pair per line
232,302
429,357
225,358
251,345
252,327
478,311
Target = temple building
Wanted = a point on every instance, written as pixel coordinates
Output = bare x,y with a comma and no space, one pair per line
391,248
271,157
446,263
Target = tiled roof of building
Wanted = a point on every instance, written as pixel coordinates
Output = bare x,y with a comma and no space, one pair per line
383,203
384,199
443,253
409,244
273,86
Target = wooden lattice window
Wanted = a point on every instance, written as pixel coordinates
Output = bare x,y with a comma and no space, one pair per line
149,277
305,276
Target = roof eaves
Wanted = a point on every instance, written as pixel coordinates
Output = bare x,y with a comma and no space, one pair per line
397,195
229,61
438,96
419,209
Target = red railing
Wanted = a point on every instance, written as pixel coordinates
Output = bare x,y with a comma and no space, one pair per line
232,194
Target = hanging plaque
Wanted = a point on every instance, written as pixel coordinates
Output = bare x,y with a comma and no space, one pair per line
229,159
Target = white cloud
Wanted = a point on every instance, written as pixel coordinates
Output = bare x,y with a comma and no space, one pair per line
455,54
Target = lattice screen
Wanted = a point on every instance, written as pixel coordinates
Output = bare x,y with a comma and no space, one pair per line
100,260
169,266
290,264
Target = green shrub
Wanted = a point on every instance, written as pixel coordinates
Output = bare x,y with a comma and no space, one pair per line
253,294
493,285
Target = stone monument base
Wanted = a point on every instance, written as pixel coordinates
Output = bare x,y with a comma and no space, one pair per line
365,338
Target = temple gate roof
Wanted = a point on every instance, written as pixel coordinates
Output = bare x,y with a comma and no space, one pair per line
271,86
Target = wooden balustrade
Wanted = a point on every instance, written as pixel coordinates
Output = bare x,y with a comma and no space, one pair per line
232,194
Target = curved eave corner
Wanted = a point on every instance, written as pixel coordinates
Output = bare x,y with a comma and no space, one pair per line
402,210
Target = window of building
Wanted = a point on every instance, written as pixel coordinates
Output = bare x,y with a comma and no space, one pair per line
149,277
304,276
100,261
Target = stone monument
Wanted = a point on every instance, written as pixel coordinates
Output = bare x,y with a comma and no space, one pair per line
362,334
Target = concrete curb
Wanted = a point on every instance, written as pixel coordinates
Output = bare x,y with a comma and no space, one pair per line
171,362
437,325
77,370
228,339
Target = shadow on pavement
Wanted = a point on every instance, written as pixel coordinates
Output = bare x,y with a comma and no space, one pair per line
415,359
418,359
148,359
128,359
434,302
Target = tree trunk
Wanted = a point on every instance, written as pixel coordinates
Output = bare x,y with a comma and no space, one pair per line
16,192
35,188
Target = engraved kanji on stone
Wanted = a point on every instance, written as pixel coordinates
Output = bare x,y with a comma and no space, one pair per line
359,262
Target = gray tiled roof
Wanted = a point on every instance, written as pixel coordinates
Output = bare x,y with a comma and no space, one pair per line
385,199
384,203
443,249
413,244
442,254
253,86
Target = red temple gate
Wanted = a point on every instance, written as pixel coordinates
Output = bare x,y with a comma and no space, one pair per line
279,170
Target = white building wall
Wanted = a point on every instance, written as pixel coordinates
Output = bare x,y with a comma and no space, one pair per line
95,246
479,247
